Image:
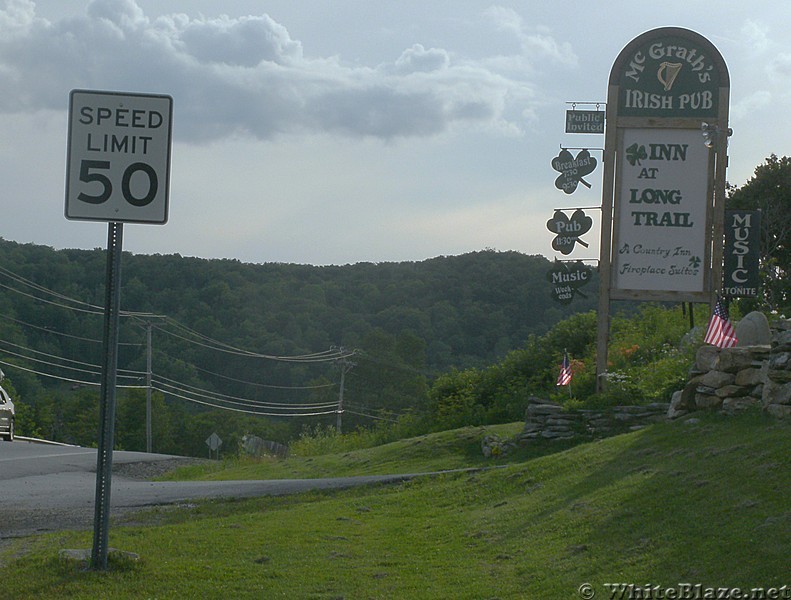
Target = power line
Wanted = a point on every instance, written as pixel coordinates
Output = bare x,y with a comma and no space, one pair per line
62,334
251,412
174,388
83,310
359,414
267,385
323,356
66,379
225,397
90,308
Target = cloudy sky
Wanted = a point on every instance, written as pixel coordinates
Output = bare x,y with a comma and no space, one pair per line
341,131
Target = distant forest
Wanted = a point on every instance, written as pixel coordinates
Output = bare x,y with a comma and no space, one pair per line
266,339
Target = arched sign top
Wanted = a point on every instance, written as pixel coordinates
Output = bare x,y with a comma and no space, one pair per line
669,72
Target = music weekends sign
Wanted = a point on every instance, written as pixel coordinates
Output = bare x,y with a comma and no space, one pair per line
660,223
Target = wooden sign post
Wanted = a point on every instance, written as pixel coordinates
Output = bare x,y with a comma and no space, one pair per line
663,191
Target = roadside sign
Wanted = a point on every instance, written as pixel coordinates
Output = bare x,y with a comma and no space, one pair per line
572,170
118,157
214,442
568,230
663,186
741,266
566,279
660,224
585,121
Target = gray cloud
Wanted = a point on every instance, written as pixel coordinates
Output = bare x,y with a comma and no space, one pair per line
247,75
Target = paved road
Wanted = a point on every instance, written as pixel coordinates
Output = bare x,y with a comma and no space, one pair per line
45,487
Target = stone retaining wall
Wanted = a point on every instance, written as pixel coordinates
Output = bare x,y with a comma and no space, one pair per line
755,373
548,420
748,375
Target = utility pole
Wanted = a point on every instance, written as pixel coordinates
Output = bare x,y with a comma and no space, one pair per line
345,366
148,388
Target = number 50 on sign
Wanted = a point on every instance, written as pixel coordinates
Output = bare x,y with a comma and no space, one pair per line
118,158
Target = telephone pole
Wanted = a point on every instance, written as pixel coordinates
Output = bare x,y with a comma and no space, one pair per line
345,366
148,387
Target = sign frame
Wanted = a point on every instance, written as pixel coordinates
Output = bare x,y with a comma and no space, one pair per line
118,156
641,95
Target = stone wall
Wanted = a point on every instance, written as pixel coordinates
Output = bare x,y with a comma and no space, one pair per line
550,421
754,373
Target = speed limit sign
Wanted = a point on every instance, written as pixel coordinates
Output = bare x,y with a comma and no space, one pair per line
118,157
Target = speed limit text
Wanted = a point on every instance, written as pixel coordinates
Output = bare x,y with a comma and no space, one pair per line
131,143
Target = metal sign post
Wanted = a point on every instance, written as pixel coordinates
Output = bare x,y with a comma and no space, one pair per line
117,171
104,459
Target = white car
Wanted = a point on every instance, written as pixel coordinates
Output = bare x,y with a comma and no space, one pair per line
6,416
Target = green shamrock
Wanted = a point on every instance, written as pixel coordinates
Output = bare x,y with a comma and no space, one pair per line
635,153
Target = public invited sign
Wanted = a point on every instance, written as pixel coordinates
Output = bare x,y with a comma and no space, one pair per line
584,121
661,209
118,157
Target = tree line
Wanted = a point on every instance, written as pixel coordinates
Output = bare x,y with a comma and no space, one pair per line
259,348
255,339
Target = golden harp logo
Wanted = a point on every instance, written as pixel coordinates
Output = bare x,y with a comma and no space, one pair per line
667,73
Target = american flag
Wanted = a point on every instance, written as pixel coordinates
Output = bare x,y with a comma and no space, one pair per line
564,378
720,332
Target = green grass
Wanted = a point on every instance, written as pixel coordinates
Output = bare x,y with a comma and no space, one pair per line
455,449
673,503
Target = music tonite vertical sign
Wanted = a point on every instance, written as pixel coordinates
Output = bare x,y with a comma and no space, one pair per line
741,274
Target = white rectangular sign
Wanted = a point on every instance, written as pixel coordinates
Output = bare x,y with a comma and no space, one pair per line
661,211
118,158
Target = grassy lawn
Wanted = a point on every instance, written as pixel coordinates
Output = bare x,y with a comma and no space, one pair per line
703,503
455,449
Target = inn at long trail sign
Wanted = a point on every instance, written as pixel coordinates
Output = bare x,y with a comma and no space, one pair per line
662,211
663,187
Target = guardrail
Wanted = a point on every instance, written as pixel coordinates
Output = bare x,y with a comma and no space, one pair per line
39,441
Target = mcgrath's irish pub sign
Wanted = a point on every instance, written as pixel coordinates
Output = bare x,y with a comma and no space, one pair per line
671,75
663,188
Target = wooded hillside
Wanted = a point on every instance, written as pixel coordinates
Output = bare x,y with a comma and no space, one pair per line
254,338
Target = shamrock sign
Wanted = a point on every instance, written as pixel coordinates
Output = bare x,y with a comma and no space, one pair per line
567,279
572,170
568,230
635,154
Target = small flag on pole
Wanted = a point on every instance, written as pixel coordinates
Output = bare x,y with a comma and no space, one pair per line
720,332
564,377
